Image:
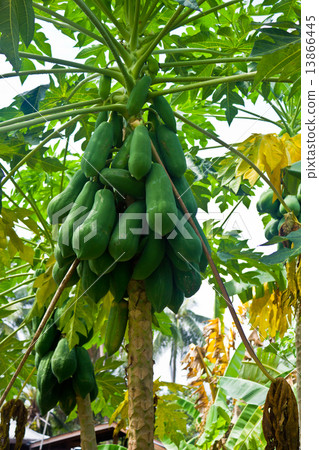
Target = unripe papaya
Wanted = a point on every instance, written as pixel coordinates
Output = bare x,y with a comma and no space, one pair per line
176,260
186,194
150,258
124,240
176,300
102,265
184,241
159,286
48,390
292,203
140,160
160,201
67,397
121,180
117,124
60,205
104,86
102,116
119,280
116,326
188,282
171,151
97,150
59,257
271,229
203,259
58,273
138,95
83,378
266,204
120,160
76,216
94,286
47,339
165,112
63,361
91,238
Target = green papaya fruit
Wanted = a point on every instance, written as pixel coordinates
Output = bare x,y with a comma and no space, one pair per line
140,160
97,150
63,361
176,260
171,151
91,238
58,273
271,229
83,378
299,193
165,112
121,181
120,160
153,121
124,240
102,116
60,205
37,360
150,258
47,384
67,397
160,202
138,95
76,216
116,326
94,286
102,265
47,339
159,286
176,300
117,123
265,204
104,86
184,241
203,259
292,203
186,194
60,259
188,282
119,280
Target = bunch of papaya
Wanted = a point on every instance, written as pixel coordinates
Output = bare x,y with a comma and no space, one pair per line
121,218
267,204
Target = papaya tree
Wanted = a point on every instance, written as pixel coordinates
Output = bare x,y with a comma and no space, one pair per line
102,178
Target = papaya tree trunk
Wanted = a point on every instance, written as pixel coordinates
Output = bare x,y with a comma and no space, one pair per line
140,370
88,438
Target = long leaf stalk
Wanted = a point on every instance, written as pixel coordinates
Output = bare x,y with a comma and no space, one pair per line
223,291
134,32
165,30
23,266
28,123
45,112
68,23
40,328
185,15
52,71
264,119
120,28
17,286
151,7
191,79
214,82
54,22
64,161
210,51
116,48
19,300
14,275
14,332
38,147
199,62
238,153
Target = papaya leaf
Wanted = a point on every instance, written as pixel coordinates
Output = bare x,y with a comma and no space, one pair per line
32,99
9,28
26,21
277,40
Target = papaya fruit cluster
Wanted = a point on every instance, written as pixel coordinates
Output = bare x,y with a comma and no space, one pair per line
62,373
275,209
119,216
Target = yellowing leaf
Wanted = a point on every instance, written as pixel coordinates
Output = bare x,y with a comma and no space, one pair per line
293,145
27,254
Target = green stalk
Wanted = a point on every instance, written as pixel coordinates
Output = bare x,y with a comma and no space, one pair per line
199,62
20,300
13,288
236,152
45,112
7,338
17,268
28,123
186,50
41,71
231,212
160,80
68,23
64,161
37,148
166,29
278,112
121,29
264,119
214,82
85,67
134,32
80,84
151,8
296,114
116,48
14,275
